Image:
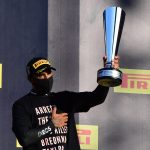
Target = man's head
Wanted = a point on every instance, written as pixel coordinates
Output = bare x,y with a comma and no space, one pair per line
39,72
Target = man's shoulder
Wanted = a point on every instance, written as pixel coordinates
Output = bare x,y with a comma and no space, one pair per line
63,93
22,100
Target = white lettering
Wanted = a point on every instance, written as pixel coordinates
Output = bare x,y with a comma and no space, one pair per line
37,111
61,130
43,120
55,148
53,140
44,131
43,110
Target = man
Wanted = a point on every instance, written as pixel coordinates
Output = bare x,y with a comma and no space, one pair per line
44,120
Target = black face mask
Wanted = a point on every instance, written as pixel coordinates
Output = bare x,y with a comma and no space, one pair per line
43,86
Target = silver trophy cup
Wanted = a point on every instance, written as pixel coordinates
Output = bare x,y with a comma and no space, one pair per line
113,19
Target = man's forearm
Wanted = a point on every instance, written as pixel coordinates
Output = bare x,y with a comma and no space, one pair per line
33,135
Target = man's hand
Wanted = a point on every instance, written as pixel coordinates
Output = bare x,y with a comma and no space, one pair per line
59,120
115,62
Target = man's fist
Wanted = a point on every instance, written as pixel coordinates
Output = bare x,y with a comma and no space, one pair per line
115,62
59,120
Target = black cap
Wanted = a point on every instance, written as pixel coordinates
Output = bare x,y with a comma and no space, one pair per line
38,65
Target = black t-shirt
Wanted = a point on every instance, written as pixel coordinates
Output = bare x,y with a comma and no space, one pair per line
32,124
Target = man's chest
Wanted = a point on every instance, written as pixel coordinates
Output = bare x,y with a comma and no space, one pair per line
41,114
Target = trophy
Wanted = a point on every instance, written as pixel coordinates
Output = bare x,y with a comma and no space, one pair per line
113,21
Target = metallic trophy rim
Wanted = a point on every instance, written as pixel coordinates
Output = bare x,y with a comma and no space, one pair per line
109,78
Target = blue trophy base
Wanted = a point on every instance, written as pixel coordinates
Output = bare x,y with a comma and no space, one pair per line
109,77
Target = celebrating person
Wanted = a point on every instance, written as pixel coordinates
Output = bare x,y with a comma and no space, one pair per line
44,120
